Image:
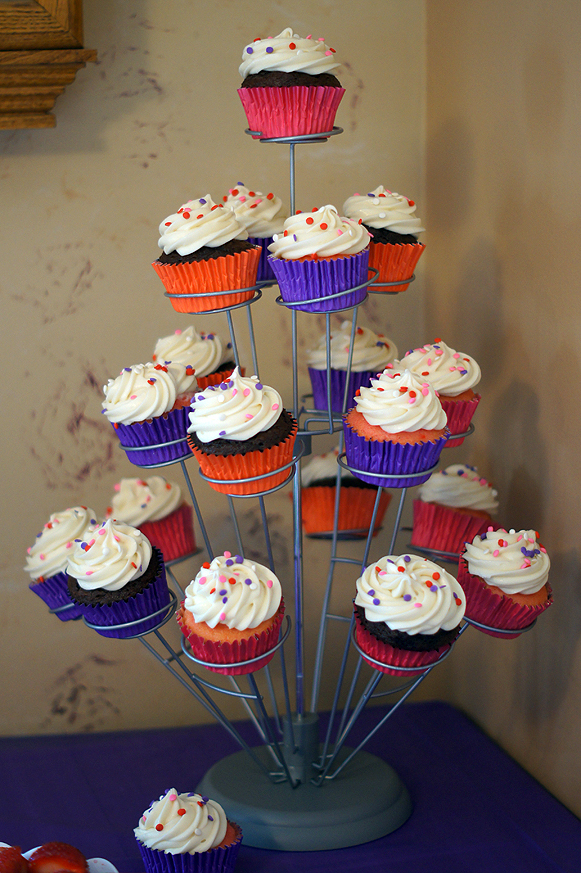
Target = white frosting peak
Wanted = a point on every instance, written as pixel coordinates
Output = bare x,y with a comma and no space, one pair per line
449,371
181,824
109,556
322,232
53,545
199,223
289,53
261,214
203,352
141,392
384,209
139,500
399,402
371,351
510,560
460,487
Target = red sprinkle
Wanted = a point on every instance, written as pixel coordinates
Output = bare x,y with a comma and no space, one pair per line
269,196
159,827
181,812
206,565
186,214
435,576
212,591
310,220
232,580
324,225
292,45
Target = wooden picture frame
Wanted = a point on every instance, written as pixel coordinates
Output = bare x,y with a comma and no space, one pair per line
41,50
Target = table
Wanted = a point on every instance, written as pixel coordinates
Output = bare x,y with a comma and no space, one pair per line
475,809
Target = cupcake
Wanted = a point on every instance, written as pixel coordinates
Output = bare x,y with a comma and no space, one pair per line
454,375
232,612
47,559
397,427
356,500
288,88
187,833
205,251
117,578
206,354
452,507
408,612
505,577
147,404
239,430
371,354
157,508
389,218
318,258
262,215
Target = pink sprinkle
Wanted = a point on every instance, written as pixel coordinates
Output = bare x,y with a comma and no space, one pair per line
411,401
456,355
246,392
269,583
542,548
234,392
275,405
429,362
496,553
519,538
321,39
451,369
101,533
202,580
222,579
417,605
425,391
438,352
29,549
117,487
249,416
116,538
222,616
227,554
69,545
490,527
133,396
42,557
89,573
526,563
329,53
177,332
339,233
173,797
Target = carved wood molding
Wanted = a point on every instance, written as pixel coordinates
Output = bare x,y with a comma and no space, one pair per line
41,50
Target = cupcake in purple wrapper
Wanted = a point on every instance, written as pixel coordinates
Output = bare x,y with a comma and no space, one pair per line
148,405
397,427
318,259
47,559
187,833
371,354
262,215
117,578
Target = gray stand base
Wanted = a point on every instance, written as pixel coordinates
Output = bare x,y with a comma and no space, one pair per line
367,800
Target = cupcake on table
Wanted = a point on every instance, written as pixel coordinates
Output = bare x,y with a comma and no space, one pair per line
210,358
262,215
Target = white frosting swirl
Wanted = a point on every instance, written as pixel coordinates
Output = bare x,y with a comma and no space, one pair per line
233,591
203,352
513,561
460,487
371,351
181,824
398,402
322,232
261,214
115,554
237,409
384,209
323,467
138,393
289,53
50,553
449,371
139,500
411,594
199,223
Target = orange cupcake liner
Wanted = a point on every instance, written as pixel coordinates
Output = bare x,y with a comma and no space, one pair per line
228,273
355,509
394,261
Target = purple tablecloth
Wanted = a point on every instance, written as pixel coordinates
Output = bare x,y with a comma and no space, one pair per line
475,809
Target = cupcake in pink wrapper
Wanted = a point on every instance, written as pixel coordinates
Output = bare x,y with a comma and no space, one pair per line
147,404
408,612
505,577
318,258
232,612
288,87
157,508
211,359
262,215
47,558
454,375
452,507
394,249
118,580
187,833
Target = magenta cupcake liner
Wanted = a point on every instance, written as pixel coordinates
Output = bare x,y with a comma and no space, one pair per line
55,593
265,272
459,414
305,282
139,439
174,534
444,528
294,111
391,657
384,457
338,379
219,860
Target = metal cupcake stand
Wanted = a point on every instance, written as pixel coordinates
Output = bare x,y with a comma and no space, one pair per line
300,788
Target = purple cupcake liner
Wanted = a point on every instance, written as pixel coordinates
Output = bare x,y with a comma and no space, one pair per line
218,860
308,281
265,272
153,442
55,593
374,456
338,379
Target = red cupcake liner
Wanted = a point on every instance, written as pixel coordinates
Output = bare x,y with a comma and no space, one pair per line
54,591
227,273
391,658
355,509
155,441
306,282
459,414
446,529
394,261
221,859
241,650
174,534
295,111
338,380
495,610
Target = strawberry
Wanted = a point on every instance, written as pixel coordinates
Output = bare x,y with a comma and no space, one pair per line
11,861
55,857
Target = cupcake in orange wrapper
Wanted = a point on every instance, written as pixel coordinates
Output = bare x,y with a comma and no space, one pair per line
454,375
210,358
356,500
453,506
262,215
397,427
239,430
408,612
232,612
394,249
206,251
157,508
187,833
505,576
288,87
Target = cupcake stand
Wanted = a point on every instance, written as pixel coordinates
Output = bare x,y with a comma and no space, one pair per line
299,789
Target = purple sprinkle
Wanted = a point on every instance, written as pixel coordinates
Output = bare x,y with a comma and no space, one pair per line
379,344
259,386
152,379
210,336
93,521
523,549
371,592
229,562
248,581
463,372
205,799
228,345
127,369
222,433
434,588
376,601
202,201
210,818
444,472
269,50
238,559
221,593
295,237
224,600
406,558
250,50
223,386
459,472
201,397
103,412
83,545
483,537
407,597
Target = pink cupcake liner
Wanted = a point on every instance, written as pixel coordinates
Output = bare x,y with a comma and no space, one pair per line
338,380
445,529
140,439
221,859
394,261
494,610
305,282
295,111
459,414
391,657
174,534
55,593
